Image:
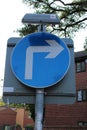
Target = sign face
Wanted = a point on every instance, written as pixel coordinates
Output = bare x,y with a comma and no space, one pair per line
40,60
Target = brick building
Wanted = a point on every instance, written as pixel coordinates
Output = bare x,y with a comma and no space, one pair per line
23,118
59,117
14,119
71,117
7,117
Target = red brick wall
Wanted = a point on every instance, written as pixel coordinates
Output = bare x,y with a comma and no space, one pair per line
68,115
65,128
65,115
81,80
7,116
22,118
27,119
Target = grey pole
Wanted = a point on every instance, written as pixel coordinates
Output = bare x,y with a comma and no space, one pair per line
39,109
39,106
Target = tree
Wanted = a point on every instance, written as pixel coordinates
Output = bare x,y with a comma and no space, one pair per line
85,44
72,15
72,18
2,103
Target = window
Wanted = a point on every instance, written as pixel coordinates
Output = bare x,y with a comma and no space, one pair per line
82,123
6,127
82,95
79,95
80,66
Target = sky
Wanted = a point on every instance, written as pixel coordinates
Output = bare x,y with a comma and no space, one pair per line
11,14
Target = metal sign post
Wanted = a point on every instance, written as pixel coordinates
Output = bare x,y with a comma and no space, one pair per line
39,105
40,62
60,93
39,109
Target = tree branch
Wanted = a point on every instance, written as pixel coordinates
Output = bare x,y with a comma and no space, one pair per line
73,3
72,24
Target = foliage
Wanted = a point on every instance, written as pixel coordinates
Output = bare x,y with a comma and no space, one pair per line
72,15
28,107
85,44
27,29
30,127
2,103
18,126
31,108
15,105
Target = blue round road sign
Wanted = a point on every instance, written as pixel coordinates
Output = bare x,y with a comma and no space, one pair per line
40,60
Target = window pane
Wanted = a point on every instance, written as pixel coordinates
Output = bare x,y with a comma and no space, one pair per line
7,127
79,98
83,66
78,68
84,95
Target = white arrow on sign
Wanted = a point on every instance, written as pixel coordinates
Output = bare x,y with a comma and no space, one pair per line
54,49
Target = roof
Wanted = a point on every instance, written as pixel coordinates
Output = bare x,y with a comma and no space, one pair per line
7,109
2,108
81,55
